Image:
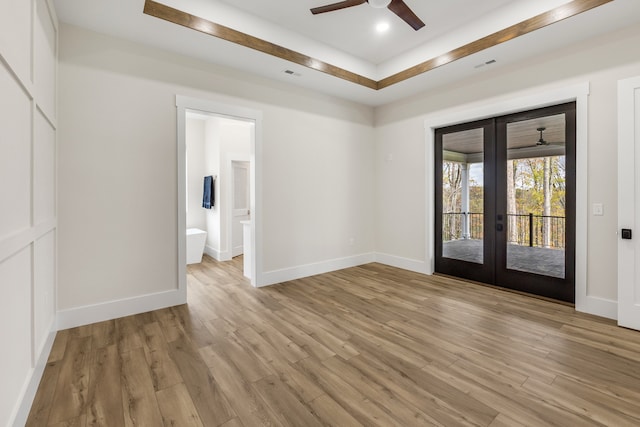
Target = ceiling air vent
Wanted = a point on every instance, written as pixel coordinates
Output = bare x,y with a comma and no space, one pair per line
292,73
482,64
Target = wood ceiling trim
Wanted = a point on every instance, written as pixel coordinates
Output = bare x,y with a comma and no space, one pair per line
175,16
525,27
193,22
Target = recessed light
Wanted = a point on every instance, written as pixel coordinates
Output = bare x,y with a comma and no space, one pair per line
382,27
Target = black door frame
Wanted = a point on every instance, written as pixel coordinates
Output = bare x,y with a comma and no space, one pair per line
484,272
494,270
553,287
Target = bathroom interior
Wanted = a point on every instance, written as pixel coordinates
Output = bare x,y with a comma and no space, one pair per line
217,216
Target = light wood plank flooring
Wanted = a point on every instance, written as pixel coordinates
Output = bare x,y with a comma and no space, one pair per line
370,345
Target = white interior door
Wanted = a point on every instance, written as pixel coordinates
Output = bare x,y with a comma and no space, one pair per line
628,202
240,204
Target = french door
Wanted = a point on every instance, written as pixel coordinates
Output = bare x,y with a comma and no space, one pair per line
505,201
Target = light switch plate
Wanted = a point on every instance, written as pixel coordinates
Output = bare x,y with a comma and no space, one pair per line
598,209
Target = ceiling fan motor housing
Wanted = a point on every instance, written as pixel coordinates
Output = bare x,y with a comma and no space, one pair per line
541,141
379,4
399,7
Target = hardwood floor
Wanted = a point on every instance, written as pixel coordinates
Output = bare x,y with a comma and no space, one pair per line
370,345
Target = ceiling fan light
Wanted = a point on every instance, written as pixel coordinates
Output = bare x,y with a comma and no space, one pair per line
379,4
382,27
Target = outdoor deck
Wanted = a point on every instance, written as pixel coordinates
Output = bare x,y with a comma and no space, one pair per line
545,261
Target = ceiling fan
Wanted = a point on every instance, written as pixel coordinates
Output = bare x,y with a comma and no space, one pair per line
398,7
541,142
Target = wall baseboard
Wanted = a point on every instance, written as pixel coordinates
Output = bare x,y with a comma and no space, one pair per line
591,305
598,306
33,382
404,263
213,253
119,308
217,255
293,273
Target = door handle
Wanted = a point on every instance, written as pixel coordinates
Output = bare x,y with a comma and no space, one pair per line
499,227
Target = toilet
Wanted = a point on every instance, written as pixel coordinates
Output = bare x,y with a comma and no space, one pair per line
195,245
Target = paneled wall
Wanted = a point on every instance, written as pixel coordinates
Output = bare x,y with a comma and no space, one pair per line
28,58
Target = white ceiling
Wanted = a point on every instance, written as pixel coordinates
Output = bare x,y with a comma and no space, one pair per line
352,30
347,39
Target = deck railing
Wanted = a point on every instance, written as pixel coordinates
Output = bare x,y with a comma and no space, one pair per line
453,225
522,229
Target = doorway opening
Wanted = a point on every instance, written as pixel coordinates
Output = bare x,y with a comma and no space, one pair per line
218,160
218,147
505,201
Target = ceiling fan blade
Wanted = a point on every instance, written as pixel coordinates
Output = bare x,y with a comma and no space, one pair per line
401,9
543,144
337,6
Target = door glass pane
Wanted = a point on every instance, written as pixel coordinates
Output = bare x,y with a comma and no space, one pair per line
536,166
463,195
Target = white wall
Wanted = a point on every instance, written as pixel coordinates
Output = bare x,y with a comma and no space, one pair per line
320,190
117,175
324,182
401,201
28,51
194,139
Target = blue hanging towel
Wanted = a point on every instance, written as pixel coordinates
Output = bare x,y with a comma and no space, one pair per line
208,193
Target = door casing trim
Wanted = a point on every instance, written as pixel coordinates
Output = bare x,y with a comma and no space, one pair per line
184,103
627,211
